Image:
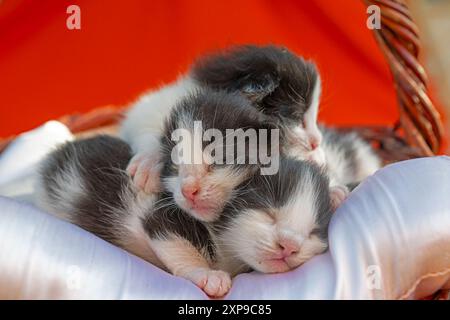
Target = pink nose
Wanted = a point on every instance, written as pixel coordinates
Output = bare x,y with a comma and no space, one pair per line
190,191
313,144
288,248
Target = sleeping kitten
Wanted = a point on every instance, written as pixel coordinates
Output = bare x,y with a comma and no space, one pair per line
203,188
279,83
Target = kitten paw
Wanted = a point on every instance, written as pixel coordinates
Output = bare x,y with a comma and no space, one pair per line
338,194
215,283
144,168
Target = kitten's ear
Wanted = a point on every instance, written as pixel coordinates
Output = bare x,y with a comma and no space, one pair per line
256,89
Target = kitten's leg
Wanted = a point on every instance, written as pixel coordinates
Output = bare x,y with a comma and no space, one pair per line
145,166
145,169
182,259
338,193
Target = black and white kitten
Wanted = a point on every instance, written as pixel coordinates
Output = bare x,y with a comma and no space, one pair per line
279,83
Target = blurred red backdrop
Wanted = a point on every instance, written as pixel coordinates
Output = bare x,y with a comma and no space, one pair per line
126,47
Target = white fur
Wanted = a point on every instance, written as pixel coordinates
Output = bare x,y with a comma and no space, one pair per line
299,213
368,160
69,189
300,137
312,113
216,187
144,121
254,236
134,237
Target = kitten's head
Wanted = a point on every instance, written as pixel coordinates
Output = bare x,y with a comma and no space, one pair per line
197,171
279,83
278,222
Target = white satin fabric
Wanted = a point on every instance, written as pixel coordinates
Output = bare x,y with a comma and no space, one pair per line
389,240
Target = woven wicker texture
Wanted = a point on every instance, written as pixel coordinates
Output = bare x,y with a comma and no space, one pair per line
398,38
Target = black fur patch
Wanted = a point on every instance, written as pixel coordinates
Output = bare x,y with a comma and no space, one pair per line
277,81
101,162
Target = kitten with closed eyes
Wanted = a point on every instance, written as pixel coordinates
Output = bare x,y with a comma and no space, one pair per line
280,84
203,188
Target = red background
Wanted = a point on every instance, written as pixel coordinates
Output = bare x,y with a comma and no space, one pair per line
125,47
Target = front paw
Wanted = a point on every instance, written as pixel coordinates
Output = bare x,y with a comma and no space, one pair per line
215,283
338,194
145,168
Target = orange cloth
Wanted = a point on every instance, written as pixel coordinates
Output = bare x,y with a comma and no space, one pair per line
125,47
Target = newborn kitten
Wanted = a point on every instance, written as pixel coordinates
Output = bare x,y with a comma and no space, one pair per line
203,188
287,89
279,83
277,222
